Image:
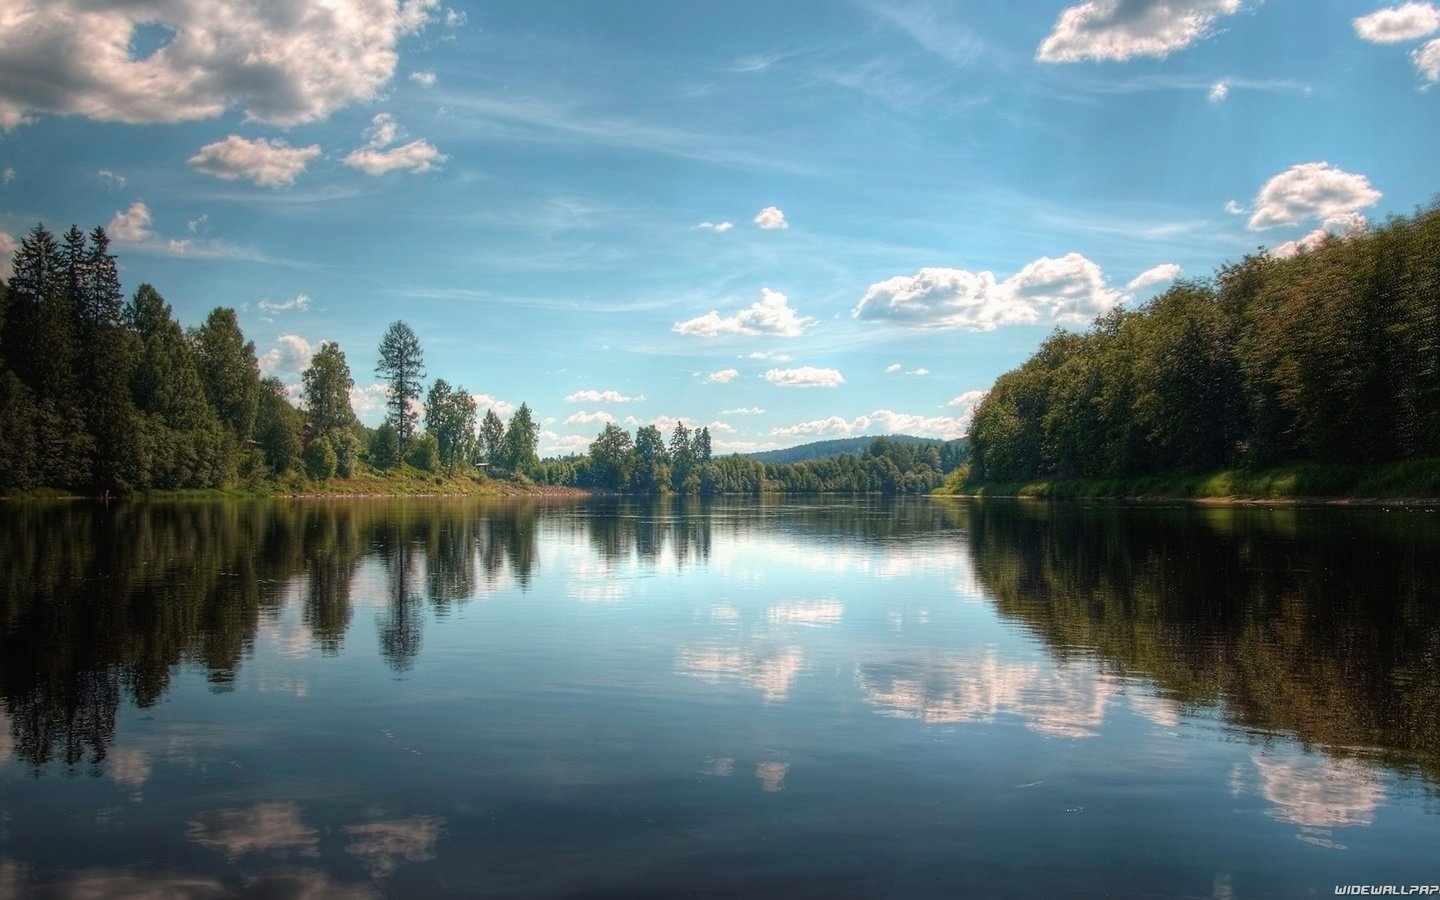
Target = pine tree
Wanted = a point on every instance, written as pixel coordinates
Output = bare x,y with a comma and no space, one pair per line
402,365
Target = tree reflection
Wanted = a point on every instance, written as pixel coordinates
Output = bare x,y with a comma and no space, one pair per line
1317,623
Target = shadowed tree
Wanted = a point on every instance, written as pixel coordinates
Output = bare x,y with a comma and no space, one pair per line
402,365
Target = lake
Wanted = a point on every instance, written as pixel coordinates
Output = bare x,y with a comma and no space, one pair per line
798,698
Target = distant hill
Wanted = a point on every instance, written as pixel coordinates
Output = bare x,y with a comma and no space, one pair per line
822,449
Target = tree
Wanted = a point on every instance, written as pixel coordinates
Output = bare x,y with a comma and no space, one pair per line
229,370
385,452
682,459
450,417
612,458
402,365
522,437
700,446
277,427
326,388
652,470
320,460
492,436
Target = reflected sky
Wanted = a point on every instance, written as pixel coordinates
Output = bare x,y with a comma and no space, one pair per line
861,696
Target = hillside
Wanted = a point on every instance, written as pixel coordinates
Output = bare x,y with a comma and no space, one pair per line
825,449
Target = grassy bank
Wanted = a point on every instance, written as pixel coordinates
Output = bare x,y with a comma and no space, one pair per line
402,481
1410,479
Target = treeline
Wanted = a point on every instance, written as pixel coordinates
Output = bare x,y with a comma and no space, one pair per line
1330,355
102,394
648,464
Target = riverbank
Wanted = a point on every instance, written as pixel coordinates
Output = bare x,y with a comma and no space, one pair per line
1410,482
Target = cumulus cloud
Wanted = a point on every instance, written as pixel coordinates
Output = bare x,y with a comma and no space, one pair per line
589,418
424,79
1234,208
881,421
767,354
283,63
805,377
130,226
770,219
369,401
1395,24
598,397
289,356
772,314
1154,275
717,227
1219,91
1309,191
1122,29
893,369
299,301
416,156
110,179
503,408
724,376
1070,289
1343,225
743,411
969,399
265,162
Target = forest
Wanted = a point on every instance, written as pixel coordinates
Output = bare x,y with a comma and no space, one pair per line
1330,355
101,396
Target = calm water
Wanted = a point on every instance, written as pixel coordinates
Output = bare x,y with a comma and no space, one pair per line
841,698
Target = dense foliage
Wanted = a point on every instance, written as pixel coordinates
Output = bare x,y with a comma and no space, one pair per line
1332,355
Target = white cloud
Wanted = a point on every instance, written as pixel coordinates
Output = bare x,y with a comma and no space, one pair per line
289,356
718,427
130,226
503,408
893,369
455,18
1154,275
743,411
555,444
179,247
195,226
717,227
115,182
299,301
1342,225
598,397
1070,289
770,219
1122,29
969,399
416,156
382,131
369,401
589,418
1396,24
1308,191
1234,208
772,314
724,376
9,175
881,421
920,372
265,162
283,63
767,354
1427,60
1219,91
8,246
424,79
805,377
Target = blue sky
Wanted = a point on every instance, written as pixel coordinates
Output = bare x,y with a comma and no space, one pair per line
786,221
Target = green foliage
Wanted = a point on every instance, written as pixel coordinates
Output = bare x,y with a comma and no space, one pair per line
277,427
326,385
1329,355
402,365
424,453
492,436
229,371
518,447
320,459
450,419
385,451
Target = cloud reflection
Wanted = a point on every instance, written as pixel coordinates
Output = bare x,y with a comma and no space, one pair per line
1320,792
264,827
382,846
1068,700
129,766
806,612
772,672
772,776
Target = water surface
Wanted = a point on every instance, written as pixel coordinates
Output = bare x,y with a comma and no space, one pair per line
839,698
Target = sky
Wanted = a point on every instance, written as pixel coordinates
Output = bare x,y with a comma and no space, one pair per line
783,221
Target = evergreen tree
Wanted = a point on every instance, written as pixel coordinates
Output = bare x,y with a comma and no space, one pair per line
402,365
105,362
277,427
229,370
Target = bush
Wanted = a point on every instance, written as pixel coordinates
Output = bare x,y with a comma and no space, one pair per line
320,459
